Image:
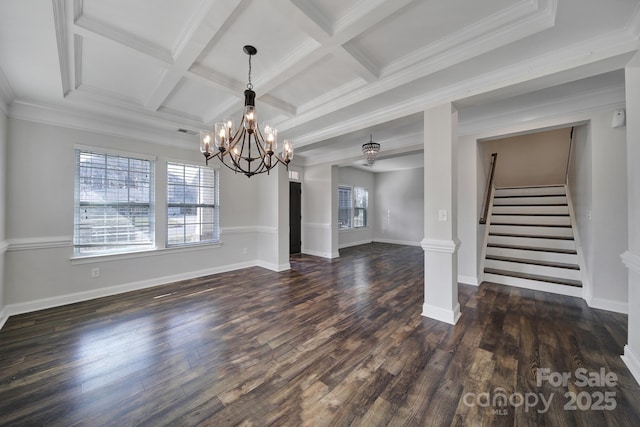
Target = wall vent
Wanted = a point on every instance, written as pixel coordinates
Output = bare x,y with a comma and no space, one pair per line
187,131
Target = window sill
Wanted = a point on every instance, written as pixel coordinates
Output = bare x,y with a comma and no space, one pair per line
90,259
352,229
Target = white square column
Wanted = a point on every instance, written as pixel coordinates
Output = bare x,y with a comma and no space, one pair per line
440,243
631,257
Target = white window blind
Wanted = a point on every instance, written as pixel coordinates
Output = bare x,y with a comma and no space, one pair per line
345,203
113,197
353,203
192,204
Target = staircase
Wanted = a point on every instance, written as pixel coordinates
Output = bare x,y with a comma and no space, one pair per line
530,241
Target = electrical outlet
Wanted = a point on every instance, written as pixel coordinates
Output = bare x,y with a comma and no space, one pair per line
95,272
244,251
442,215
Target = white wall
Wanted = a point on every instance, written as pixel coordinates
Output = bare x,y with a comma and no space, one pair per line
272,212
399,207
320,211
608,213
608,201
3,210
580,189
631,256
39,269
353,177
469,204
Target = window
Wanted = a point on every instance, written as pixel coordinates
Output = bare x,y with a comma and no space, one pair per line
345,203
360,205
113,198
192,204
353,203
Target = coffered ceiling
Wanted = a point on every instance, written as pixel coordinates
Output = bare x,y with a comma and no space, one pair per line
328,72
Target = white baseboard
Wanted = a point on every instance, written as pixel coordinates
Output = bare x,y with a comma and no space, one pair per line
350,244
609,305
397,242
44,303
632,362
329,255
4,316
468,280
274,267
443,315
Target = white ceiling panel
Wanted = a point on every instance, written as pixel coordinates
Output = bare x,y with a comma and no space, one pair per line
422,24
261,26
329,11
312,83
28,52
117,70
161,22
197,101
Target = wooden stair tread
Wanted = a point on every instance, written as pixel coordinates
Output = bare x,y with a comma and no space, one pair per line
530,186
534,262
527,214
532,248
525,205
531,225
567,282
535,236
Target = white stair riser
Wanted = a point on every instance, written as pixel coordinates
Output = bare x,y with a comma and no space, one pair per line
532,242
530,191
533,255
540,270
546,200
536,220
534,284
532,230
546,210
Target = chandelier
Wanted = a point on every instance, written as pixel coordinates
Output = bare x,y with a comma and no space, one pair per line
370,150
247,150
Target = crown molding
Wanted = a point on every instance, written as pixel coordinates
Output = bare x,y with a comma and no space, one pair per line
581,104
150,131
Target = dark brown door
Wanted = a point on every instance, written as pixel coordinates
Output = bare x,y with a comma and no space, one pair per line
295,217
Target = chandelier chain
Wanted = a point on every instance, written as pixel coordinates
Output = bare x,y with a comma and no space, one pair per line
250,85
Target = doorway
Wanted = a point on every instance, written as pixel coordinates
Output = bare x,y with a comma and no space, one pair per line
295,217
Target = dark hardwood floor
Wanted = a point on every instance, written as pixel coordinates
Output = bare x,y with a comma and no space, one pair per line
328,343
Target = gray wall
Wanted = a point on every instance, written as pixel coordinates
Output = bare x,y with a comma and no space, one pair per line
399,207
40,269
3,208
